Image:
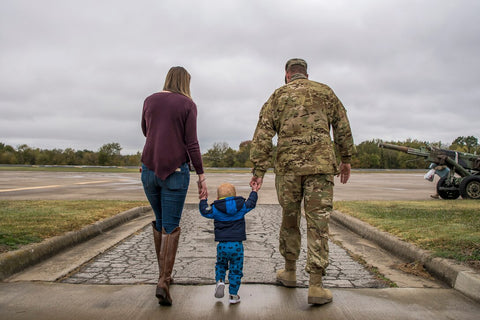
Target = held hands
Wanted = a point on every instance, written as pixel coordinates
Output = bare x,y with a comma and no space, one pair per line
255,187
344,172
256,183
202,187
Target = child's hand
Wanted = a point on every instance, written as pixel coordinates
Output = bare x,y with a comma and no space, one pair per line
256,183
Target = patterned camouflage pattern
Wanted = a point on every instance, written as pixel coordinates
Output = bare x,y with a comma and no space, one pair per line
301,113
295,61
317,193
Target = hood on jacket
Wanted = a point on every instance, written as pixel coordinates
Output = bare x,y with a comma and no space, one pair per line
230,205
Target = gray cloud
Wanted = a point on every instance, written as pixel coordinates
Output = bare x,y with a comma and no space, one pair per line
75,74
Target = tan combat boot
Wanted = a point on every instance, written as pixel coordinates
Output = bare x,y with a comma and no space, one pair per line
288,277
316,293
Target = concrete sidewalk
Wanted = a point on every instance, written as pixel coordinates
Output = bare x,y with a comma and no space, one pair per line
133,260
33,300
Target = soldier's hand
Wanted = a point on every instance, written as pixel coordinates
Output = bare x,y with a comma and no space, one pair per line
256,183
344,172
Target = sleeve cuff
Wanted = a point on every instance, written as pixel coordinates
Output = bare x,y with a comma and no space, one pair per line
258,173
347,159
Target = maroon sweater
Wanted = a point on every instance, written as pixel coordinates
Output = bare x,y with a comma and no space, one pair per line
169,121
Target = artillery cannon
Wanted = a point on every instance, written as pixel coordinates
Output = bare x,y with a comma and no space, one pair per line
464,176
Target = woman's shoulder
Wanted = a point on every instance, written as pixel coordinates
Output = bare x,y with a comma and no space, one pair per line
177,97
169,95
156,95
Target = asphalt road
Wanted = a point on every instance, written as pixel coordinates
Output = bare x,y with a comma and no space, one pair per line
36,185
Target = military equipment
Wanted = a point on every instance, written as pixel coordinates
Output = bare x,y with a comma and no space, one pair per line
464,176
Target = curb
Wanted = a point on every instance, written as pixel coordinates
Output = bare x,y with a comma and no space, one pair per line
459,277
14,261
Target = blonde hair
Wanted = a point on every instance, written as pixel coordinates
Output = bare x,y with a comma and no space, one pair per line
226,190
178,80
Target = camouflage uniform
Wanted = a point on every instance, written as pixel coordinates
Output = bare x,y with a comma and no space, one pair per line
302,113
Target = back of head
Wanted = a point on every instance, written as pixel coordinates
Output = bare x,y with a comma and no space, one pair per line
296,65
178,81
226,190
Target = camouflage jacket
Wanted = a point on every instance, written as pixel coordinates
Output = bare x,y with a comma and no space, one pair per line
302,113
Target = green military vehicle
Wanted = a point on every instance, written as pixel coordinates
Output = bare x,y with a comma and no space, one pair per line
464,176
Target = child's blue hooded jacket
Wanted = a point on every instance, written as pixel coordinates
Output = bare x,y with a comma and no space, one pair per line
228,215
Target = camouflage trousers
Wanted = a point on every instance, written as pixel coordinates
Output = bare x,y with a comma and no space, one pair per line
316,191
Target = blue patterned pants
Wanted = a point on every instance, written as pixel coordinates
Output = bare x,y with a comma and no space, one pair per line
230,257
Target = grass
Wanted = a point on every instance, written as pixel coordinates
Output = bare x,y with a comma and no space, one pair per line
447,228
24,222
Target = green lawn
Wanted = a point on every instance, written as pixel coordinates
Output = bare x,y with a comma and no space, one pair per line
27,221
448,228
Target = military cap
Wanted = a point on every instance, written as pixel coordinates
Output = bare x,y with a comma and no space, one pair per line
295,61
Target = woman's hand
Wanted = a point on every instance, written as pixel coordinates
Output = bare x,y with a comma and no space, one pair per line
202,187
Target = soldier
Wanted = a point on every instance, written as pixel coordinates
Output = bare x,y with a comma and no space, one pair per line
301,113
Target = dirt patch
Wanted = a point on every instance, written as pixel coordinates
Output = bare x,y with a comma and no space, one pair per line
4,248
474,264
416,268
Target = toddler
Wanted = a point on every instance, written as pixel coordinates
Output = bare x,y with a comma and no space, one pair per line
228,212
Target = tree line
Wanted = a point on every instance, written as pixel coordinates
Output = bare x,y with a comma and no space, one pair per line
221,155
107,155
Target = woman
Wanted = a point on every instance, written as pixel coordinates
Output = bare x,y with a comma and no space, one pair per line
169,123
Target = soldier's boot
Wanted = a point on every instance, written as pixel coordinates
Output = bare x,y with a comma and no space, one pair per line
168,251
316,293
288,277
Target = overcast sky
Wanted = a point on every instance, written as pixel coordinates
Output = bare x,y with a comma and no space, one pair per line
74,74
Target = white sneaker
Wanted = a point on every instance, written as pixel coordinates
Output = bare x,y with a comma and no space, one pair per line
219,289
234,298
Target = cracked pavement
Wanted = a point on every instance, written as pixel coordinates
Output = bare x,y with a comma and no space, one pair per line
133,260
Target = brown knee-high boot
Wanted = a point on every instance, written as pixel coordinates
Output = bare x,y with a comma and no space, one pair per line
157,240
166,260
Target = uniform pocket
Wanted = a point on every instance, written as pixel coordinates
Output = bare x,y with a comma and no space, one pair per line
330,178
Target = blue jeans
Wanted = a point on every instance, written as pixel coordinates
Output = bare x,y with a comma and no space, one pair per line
166,197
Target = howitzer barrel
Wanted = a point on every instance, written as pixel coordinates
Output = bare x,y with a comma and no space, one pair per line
393,147
408,150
